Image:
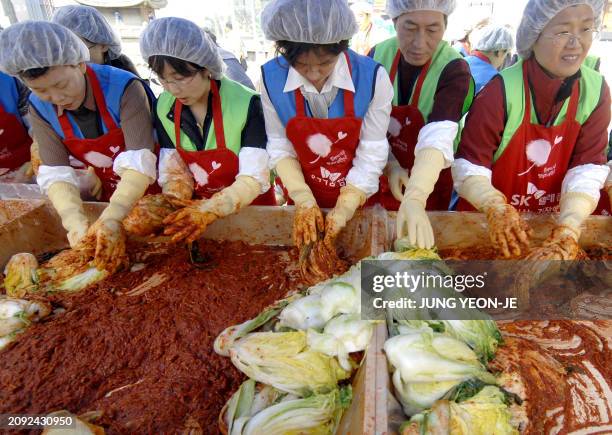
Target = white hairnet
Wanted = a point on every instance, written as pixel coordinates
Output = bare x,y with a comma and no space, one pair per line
183,39
493,38
88,23
395,8
362,6
309,21
537,15
39,44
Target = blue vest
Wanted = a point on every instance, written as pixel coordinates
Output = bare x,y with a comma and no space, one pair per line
113,82
364,69
482,71
9,95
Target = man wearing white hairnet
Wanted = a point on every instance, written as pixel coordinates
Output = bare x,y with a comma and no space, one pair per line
99,115
536,136
433,89
490,51
327,112
211,130
90,25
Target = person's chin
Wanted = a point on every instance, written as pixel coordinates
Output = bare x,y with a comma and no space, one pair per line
417,60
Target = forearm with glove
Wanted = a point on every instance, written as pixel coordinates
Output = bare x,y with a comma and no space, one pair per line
308,221
412,220
508,231
61,186
190,222
349,200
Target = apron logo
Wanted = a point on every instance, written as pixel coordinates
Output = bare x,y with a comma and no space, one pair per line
320,144
1,130
331,176
115,150
533,190
215,166
538,152
98,160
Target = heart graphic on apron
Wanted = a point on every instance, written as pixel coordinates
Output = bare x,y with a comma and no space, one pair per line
538,152
320,144
115,149
199,174
99,160
341,135
1,130
215,165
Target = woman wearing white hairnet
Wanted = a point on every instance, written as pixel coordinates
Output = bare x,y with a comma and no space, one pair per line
433,89
327,112
536,136
97,114
211,129
489,53
90,25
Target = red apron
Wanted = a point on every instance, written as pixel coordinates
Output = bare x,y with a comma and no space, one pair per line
532,167
213,170
603,208
101,151
14,142
325,147
404,127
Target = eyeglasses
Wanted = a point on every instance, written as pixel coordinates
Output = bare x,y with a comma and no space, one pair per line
181,83
564,38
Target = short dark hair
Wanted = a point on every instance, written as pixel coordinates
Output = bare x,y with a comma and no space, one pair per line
292,50
34,73
182,67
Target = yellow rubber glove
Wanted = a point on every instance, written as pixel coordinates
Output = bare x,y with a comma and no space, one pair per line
562,244
508,231
350,199
190,222
178,190
412,220
176,176
308,221
90,184
107,234
397,177
66,199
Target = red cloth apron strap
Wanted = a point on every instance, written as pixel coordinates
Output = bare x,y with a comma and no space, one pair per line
108,120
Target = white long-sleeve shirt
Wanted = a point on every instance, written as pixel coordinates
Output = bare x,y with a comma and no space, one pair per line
373,149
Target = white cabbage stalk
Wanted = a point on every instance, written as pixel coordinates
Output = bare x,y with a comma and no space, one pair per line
339,298
226,339
329,345
433,357
317,414
284,361
20,275
427,365
304,313
353,332
16,315
82,280
416,397
483,414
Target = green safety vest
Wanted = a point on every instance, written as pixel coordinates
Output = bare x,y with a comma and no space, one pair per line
385,53
592,62
235,101
590,94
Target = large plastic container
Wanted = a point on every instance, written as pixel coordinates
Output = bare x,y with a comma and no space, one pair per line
37,229
455,230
